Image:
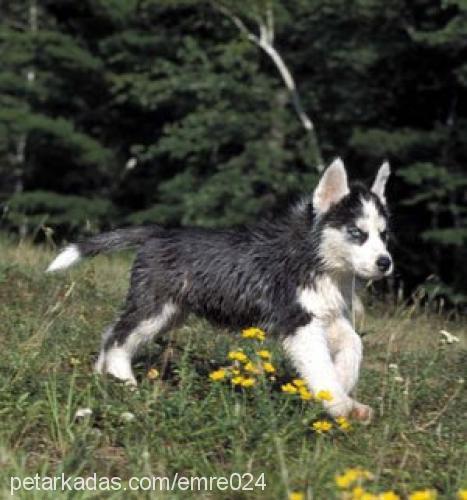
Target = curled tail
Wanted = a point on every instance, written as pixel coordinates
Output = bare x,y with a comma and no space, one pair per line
120,239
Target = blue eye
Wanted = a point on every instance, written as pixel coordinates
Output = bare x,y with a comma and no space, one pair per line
357,234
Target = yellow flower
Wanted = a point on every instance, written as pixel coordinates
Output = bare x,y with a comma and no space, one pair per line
343,423
238,356
352,475
305,394
289,388
357,493
153,373
343,481
299,382
388,495
254,333
235,371
324,396
264,354
237,380
368,496
215,376
347,479
423,495
268,367
251,368
247,382
296,495
321,426
462,495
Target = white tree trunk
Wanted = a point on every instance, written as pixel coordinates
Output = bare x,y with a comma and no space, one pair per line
265,41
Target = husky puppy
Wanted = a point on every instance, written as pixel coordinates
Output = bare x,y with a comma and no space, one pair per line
293,277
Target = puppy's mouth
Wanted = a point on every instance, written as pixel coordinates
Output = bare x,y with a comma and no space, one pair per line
374,274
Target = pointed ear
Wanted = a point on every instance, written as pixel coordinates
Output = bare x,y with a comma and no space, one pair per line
379,186
331,188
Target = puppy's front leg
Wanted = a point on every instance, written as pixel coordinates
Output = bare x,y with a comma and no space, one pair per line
346,349
308,348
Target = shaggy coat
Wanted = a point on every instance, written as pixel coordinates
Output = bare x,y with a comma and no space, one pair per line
292,277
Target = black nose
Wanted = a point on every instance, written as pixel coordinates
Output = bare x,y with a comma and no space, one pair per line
384,263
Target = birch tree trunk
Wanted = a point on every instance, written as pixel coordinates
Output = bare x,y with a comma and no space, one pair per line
265,41
20,154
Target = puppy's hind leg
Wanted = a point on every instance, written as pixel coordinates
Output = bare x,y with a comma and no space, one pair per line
133,329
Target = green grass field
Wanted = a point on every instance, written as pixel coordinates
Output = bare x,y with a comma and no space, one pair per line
181,422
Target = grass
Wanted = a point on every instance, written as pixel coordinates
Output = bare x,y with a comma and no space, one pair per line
184,423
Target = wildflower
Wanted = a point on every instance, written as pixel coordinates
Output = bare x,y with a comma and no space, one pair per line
215,376
305,394
347,479
388,495
127,416
264,354
83,412
235,371
268,367
237,380
254,333
423,495
350,476
321,426
238,356
357,493
247,382
298,382
153,373
324,396
343,423
296,495
289,388
251,368
462,495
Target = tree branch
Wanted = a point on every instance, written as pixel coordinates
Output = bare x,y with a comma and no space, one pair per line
265,41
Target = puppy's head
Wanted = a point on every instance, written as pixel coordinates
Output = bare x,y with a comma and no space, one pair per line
353,223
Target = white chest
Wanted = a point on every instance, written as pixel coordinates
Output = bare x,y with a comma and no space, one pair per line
328,299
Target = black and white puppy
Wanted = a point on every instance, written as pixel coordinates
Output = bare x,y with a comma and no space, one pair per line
293,277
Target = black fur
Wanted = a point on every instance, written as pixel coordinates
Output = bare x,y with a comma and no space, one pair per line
350,207
233,277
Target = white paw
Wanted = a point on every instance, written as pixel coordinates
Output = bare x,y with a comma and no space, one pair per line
117,362
339,406
362,413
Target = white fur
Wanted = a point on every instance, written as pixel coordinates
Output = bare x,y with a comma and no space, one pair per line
346,350
330,354
117,359
364,257
328,299
379,186
334,249
337,253
66,258
308,348
117,362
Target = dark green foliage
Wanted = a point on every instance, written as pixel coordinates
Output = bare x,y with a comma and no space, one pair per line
168,112
70,214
